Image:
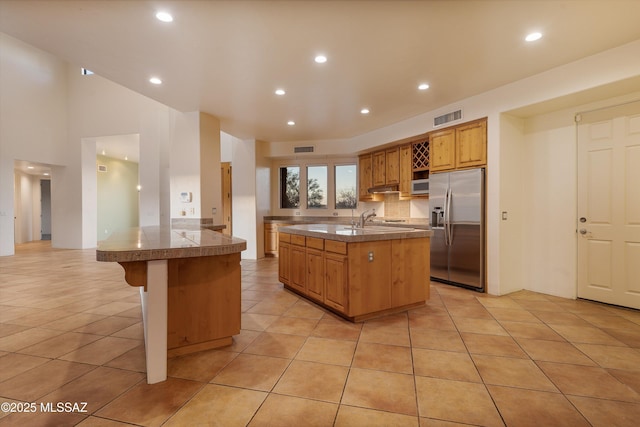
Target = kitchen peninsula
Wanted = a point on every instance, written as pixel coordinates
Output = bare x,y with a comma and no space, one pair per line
189,281
358,273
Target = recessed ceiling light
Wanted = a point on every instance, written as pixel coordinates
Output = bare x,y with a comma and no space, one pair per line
104,152
155,81
533,37
46,174
280,92
364,111
423,86
320,59
164,16
291,123
30,167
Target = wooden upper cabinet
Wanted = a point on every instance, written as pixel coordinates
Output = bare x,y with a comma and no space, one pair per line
365,177
442,145
379,168
471,144
459,147
392,166
406,170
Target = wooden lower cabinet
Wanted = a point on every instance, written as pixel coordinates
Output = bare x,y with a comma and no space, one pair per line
271,239
358,280
315,274
297,270
284,263
271,243
203,308
336,273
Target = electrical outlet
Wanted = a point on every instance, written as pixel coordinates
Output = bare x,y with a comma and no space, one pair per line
504,215
298,213
335,214
213,211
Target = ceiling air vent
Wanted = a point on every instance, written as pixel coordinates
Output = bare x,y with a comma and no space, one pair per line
446,118
102,168
303,149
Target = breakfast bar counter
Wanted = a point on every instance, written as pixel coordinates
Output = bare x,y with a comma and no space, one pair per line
189,283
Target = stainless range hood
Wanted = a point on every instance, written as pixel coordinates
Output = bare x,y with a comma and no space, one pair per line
391,188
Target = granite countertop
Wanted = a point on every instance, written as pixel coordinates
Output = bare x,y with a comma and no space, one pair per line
344,233
422,223
164,242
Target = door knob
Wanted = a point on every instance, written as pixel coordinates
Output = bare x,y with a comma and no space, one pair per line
583,231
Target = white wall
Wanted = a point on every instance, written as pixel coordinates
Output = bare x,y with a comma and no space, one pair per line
263,194
245,204
512,192
210,176
117,206
550,206
25,223
33,119
185,164
99,107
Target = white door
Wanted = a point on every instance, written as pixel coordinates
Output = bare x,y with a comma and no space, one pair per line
608,221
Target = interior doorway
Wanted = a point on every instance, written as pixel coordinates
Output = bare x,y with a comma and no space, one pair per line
608,217
117,192
45,209
31,201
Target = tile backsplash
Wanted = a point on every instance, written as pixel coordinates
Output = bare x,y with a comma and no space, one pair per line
396,208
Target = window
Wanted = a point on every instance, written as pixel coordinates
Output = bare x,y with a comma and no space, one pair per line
313,186
345,187
316,187
290,187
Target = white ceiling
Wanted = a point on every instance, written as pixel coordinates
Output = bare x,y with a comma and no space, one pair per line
226,58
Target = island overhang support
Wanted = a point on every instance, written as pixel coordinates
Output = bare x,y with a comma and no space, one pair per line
154,313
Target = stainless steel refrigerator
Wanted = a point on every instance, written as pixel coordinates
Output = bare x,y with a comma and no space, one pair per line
456,202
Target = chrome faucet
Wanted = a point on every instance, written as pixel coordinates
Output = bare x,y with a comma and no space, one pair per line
364,217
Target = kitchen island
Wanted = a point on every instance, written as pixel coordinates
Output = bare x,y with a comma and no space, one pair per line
189,281
358,273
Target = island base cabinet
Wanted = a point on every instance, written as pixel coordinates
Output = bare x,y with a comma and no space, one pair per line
358,280
336,276
410,261
203,308
297,268
315,274
369,277
284,250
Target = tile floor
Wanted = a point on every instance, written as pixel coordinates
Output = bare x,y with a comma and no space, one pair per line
70,331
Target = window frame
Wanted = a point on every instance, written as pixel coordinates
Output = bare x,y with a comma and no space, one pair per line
303,163
335,192
280,189
306,169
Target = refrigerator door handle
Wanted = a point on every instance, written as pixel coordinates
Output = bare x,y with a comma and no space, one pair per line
447,217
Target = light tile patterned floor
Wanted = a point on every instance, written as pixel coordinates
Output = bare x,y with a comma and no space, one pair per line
70,331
